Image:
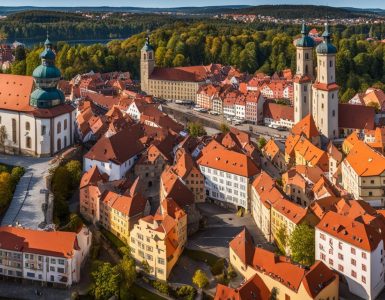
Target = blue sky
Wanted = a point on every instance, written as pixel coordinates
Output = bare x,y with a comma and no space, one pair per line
176,3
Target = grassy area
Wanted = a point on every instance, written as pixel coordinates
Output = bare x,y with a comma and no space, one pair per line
143,294
115,241
199,255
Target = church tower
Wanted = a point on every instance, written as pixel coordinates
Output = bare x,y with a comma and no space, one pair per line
325,89
147,65
304,75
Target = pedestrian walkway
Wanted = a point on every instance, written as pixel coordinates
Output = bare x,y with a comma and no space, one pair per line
27,206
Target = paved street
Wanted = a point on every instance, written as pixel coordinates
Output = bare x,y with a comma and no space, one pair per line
26,205
222,226
257,129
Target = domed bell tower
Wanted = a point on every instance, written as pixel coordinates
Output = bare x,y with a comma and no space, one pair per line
147,65
325,89
304,75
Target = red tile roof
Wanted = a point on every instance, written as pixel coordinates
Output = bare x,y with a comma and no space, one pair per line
254,289
190,74
53,243
229,161
278,111
127,205
117,148
355,116
307,127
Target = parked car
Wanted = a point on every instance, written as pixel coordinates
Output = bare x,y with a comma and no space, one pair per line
213,112
281,128
197,108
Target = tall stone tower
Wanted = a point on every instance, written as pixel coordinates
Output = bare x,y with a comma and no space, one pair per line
304,75
325,89
147,65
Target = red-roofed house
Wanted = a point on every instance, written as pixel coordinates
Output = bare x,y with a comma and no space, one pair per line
54,257
160,239
278,273
351,242
227,175
278,115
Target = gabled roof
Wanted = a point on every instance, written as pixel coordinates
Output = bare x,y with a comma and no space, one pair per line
243,246
252,289
92,177
229,161
118,148
292,211
278,111
307,127
176,189
128,205
365,161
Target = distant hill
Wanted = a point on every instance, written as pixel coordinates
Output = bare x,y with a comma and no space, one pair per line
303,11
7,10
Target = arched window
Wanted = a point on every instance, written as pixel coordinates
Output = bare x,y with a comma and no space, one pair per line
27,126
65,124
58,144
150,55
28,142
65,141
58,127
144,56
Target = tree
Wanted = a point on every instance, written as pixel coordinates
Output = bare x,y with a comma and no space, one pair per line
74,168
261,142
195,129
302,244
20,53
126,268
282,238
349,94
106,281
200,279
3,136
5,189
224,128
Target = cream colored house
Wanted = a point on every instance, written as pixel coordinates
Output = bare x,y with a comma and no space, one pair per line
159,240
363,174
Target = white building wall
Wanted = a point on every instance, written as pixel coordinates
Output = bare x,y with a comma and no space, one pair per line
368,267
114,171
226,187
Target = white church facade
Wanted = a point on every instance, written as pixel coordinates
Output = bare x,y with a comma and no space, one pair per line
34,119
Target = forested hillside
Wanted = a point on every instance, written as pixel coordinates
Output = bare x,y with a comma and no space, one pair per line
360,63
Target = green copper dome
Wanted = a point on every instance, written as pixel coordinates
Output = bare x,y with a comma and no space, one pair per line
326,47
43,71
46,77
46,98
147,46
305,41
48,54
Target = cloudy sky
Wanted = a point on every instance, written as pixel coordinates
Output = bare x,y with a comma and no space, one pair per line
178,3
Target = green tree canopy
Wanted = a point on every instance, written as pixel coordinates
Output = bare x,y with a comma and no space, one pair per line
106,281
200,279
195,129
302,244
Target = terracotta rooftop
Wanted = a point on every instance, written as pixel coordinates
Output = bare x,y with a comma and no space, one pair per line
307,127
355,116
280,269
365,161
278,111
190,74
52,243
229,161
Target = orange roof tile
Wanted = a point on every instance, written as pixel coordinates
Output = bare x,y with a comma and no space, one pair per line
307,127
365,161
290,210
229,161
127,205
53,243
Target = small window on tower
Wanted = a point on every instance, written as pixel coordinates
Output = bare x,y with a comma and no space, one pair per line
304,99
330,63
144,56
150,55
306,55
333,113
